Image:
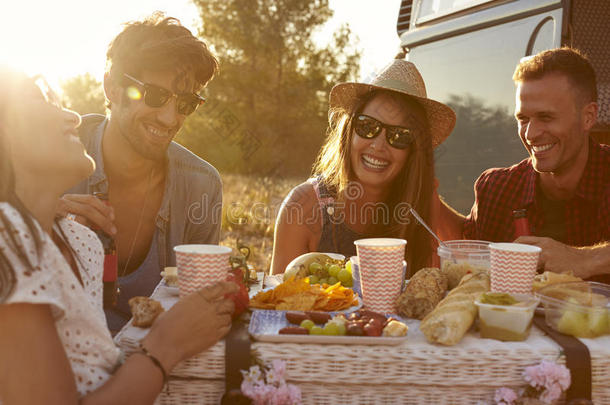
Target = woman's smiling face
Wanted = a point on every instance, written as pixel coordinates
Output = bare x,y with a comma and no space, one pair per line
375,163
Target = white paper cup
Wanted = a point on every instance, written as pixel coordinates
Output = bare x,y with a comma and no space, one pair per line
200,266
513,267
380,263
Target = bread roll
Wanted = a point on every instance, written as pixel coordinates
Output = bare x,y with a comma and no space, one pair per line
456,271
454,315
144,310
424,291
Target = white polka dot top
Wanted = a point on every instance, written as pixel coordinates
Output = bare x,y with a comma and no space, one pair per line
78,313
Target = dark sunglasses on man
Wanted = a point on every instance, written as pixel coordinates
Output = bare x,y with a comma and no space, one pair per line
156,96
369,128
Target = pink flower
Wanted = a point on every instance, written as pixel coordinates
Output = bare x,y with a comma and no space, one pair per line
281,396
279,369
247,388
551,394
505,396
262,394
274,391
547,374
295,394
550,377
253,376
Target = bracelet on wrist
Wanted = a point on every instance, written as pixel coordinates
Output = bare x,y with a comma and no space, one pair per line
156,362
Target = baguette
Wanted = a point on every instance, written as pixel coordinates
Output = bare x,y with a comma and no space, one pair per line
455,314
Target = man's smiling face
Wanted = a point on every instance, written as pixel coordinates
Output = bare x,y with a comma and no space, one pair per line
549,114
150,130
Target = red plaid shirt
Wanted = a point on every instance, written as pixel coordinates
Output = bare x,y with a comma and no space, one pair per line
500,191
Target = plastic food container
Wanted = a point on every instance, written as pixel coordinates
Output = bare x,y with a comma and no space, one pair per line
577,308
507,322
461,257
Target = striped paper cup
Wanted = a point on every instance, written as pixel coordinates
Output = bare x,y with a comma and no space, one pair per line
380,263
513,267
200,266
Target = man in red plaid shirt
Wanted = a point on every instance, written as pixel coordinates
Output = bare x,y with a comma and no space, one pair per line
564,186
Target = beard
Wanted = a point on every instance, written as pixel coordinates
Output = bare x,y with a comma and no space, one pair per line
132,131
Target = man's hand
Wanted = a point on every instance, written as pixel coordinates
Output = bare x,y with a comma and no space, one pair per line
88,210
558,257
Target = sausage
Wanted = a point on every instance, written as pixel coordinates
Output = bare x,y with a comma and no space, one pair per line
318,317
293,330
296,317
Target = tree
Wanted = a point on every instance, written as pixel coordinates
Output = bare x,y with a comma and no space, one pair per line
268,107
83,94
485,136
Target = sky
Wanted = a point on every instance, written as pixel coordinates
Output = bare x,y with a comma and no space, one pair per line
64,38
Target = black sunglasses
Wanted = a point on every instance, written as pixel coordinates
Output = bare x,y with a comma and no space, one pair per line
398,137
155,96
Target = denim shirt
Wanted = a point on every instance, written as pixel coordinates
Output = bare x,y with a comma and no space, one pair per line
191,209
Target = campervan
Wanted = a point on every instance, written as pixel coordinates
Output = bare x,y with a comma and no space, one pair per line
467,51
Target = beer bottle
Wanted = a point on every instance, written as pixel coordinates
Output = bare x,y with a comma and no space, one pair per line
110,261
522,226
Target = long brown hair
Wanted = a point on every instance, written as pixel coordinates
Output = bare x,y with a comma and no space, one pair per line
13,85
412,187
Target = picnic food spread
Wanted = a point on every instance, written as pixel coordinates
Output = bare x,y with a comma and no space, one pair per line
301,313
298,295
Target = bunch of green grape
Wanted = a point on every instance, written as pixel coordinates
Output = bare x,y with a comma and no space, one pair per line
330,272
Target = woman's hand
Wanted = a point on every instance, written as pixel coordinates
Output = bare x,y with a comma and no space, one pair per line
193,324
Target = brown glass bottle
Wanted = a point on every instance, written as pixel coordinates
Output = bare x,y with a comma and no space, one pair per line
522,225
110,262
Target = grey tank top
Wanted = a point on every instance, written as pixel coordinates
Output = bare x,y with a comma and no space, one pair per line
141,282
336,236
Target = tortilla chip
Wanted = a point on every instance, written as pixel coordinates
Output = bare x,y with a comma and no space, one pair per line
300,302
299,295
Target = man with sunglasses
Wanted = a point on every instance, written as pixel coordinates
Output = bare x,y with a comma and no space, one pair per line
160,194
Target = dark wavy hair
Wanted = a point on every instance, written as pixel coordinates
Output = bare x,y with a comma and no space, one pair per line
414,185
159,43
13,84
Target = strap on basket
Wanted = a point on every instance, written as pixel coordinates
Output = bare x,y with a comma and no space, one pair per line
237,358
578,360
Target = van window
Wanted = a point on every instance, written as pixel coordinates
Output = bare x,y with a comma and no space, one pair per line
431,9
472,73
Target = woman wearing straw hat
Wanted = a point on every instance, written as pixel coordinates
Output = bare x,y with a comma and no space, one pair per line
376,163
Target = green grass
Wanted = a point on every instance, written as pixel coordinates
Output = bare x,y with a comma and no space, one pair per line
249,209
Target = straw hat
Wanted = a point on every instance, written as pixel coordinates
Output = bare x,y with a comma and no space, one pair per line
402,77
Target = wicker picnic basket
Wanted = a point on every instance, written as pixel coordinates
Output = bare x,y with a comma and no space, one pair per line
413,372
